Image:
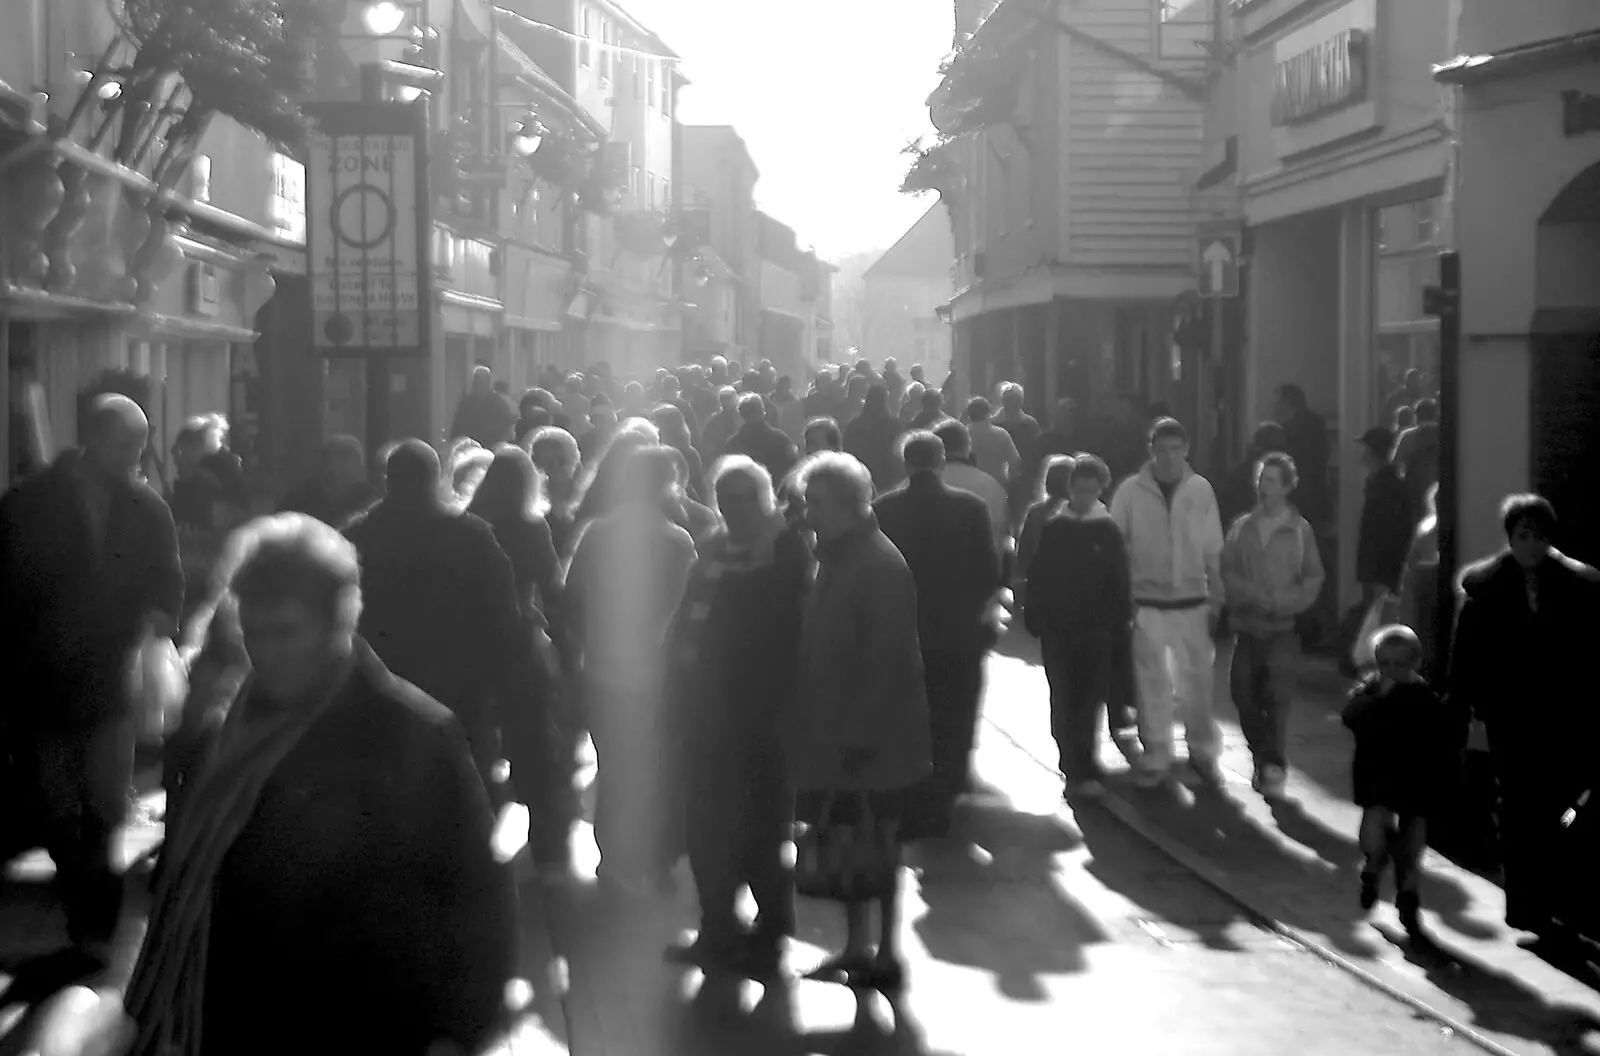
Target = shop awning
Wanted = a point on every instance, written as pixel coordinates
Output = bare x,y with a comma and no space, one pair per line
1538,55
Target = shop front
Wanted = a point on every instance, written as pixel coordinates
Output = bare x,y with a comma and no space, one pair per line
108,289
539,286
1527,208
1343,152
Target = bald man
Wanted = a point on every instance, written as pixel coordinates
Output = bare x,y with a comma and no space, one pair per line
88,562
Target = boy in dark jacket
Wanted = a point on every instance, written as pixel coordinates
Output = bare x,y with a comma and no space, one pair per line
1079,603
1409,745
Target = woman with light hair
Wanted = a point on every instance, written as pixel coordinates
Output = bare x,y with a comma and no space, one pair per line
321,800
601,488
624,584
556,457
734,660
859,731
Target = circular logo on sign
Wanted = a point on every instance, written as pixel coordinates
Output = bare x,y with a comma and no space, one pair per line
363,216
339,329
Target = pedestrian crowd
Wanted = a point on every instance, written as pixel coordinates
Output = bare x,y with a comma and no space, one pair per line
769,612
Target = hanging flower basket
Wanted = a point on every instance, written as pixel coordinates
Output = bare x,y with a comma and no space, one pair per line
982,80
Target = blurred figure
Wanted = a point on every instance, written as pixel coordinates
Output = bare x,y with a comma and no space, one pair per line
960,472
208,499
1063,436
721,426
932,412
911,405
329,801
625,581
89,572
859,732
993,450
440,600
340,490
698,519
603,425
761,440
791,410
674,429
1236,496
734,662
555,455
944,535
671,393
1023,428
483,414
464,466
874,438
603,487
1053,490
1416,451
508,500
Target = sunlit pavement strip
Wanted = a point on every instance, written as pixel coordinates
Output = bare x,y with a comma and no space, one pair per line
1016,709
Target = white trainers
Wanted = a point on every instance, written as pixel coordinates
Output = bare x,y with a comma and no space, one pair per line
1274,780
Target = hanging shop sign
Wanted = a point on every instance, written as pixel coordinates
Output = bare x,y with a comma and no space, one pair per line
367,226
1328,76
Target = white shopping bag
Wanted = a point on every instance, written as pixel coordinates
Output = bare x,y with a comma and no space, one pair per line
159,682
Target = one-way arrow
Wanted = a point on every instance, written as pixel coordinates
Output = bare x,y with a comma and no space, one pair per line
1217,257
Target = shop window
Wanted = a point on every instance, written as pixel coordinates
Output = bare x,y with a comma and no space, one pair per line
1427,218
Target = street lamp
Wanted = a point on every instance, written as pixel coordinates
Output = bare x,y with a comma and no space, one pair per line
383,18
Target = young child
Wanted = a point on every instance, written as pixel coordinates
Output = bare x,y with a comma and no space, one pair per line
1409,744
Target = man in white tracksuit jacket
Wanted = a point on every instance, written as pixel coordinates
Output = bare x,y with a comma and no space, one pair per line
1168,514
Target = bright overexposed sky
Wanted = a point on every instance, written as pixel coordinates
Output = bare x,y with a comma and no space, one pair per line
825,94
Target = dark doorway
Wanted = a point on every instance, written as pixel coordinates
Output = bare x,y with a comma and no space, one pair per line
1566,425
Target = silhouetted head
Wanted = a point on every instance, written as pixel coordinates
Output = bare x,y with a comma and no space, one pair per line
412,473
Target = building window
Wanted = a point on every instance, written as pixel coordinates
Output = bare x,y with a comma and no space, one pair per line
588,31
1171,9
650,79
666,93
286,201
1427,213
666,193
605,50
638,79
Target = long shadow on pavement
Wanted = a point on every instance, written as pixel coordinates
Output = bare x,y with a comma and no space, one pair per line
1500,1002
1168,893
999,910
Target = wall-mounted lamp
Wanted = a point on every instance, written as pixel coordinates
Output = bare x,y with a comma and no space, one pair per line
526,135
383,17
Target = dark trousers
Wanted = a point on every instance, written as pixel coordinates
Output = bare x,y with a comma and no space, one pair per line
1078,666
530,744
1535,790
738,814
1123,694
1389,837
80,780
1259,679
955,691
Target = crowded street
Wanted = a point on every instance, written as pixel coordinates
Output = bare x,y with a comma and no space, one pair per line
713,528
1037,920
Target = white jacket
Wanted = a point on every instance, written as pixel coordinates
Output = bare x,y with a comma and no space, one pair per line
1174,554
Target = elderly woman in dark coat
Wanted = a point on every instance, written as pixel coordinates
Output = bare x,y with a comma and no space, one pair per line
1529,618
735,652
860,735
331,852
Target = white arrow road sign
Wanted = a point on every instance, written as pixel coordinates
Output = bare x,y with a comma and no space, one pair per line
1219,267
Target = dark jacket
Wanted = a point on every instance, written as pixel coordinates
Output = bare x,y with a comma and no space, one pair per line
871,438
1305,439
531,549
1409,746
1389,517
72,616
312,499
486,418
1078,579
1520,669
362,894
863,695
945,537
439,604
767,444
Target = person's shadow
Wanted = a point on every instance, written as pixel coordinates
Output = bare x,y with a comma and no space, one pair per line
1000,910
1441,895
1502,1003
1168,892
